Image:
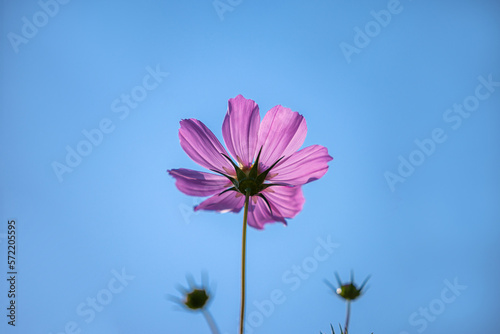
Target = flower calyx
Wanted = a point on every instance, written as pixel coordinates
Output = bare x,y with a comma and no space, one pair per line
250,182
196,299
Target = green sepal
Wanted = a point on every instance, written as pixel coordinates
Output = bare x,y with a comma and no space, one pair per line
338,278
330,285
233,180
255,168
229,189
364,283
265,200
260,179
239,173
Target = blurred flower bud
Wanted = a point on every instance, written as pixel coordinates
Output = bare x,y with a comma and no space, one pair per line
347,291
194,297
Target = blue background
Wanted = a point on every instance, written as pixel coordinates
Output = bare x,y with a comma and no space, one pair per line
118,210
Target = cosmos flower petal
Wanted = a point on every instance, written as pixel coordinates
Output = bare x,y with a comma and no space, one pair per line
259,214
230,201
202,146
281,133
240,129
194,183
285,202
304,166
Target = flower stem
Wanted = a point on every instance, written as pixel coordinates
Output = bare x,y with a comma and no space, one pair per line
348,314
243,255
211,322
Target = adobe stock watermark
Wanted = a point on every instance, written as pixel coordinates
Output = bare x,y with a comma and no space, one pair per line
421,318
188,211
121,107
453,117
222,6
94,304
31,26
260,310
363,36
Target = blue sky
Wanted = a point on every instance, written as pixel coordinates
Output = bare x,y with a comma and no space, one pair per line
405,95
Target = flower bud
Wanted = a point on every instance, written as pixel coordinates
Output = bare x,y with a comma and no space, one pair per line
195,298
347,291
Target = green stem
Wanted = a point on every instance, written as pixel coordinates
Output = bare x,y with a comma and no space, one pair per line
211,322
348,314
243,255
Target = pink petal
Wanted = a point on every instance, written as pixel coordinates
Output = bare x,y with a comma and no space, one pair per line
230,201
302,167
195,183
240,129
281,133
203,147
286,202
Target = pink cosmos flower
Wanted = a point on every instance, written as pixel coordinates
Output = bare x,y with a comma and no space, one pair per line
268,164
